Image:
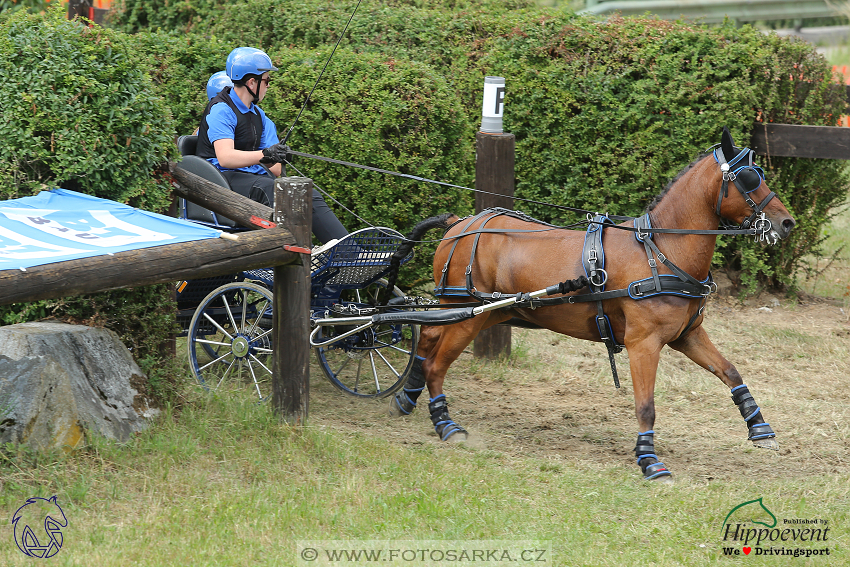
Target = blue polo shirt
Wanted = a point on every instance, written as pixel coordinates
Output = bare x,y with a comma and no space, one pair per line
222,125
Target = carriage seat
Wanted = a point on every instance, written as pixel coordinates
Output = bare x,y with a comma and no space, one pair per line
187,145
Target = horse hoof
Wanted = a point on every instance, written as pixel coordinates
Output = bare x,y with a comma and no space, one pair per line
394,409
654,470
459,437
399,406
769,443
666,479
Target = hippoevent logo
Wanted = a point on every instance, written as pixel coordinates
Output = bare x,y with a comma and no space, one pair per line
38,527
751,528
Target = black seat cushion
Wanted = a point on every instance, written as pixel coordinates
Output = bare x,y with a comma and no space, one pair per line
187,145
202,168
206,170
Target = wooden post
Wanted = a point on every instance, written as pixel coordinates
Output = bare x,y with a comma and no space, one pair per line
494,172
78,8
291,361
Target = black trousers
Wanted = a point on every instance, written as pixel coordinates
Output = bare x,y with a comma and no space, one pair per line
260,188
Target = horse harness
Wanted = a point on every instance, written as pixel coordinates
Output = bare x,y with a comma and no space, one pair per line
746,177
679,283
741,171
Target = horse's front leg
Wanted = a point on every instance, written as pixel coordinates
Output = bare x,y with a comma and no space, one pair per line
643,362
699,348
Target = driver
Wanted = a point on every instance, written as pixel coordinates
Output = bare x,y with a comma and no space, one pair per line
237,137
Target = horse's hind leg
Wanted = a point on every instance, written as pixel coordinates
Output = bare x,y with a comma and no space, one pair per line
404,402
699,348
439,348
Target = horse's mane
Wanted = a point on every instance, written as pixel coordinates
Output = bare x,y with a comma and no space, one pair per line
657,198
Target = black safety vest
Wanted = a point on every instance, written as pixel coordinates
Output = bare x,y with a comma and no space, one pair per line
249,128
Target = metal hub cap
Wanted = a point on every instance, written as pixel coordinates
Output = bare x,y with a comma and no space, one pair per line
240,347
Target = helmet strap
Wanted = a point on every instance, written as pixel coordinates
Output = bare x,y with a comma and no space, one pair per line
255,95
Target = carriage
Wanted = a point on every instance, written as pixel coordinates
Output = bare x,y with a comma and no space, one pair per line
228,322
228,319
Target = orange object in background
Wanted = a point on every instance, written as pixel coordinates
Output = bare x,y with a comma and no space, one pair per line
94,10
842,72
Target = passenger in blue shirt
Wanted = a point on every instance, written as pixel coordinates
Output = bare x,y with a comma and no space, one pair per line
237,137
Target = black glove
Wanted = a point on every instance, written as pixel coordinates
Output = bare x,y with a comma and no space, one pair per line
277,153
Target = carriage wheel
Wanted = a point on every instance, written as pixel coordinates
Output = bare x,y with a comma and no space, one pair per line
230,341
373,363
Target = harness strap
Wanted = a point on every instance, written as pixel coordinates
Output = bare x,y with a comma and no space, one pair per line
442,285
593,259
470,287
684,276
644,223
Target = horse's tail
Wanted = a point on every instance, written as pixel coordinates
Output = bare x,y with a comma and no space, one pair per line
440,221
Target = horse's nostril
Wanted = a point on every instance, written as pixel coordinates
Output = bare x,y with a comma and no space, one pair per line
788,224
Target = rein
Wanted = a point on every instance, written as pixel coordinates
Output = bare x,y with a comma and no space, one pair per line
742,230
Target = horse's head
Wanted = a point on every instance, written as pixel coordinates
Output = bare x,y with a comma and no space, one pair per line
753,205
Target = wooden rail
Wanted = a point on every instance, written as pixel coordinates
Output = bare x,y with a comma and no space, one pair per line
147,266
791,140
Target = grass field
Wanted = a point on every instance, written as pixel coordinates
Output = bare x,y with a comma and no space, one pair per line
549,462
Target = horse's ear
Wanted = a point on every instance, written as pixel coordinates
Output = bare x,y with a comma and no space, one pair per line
726,144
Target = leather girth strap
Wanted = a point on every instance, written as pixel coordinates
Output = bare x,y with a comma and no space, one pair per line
593,260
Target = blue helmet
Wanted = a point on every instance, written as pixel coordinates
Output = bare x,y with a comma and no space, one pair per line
217,83
247,61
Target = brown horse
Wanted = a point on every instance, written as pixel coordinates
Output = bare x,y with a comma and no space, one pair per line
510,262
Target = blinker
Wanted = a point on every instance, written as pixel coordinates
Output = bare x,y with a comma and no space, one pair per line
749,179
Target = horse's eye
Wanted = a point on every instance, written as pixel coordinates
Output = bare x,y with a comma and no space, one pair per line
749,179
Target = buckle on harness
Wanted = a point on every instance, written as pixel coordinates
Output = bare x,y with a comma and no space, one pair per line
652,263
591,255
602,323
604,276
636,289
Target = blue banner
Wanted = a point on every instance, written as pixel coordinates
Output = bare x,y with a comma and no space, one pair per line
60,225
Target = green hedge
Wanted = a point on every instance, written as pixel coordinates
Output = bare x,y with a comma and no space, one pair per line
80,111
384,112
244,18
605,113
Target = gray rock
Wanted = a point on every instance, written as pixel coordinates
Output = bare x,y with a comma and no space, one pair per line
60,382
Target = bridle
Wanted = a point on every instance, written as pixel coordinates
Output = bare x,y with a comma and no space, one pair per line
747,177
